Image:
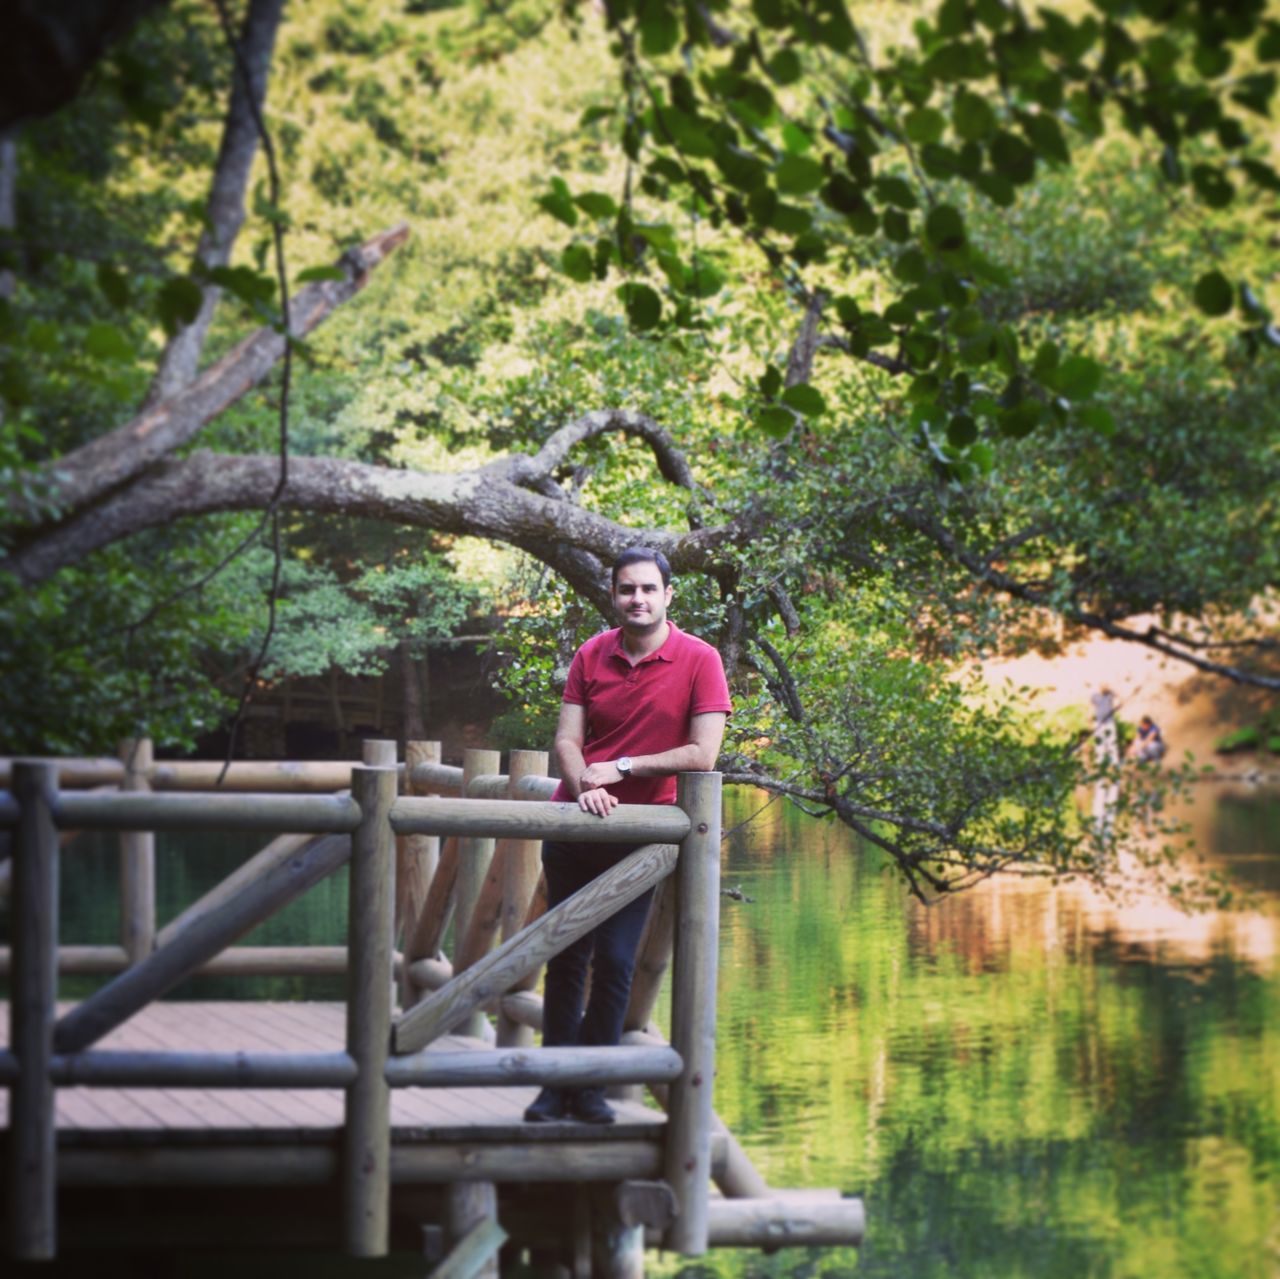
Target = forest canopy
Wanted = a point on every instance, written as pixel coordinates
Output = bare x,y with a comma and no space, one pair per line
912,334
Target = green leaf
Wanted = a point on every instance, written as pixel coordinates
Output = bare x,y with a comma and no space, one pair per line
1212,185
770,382
1012,158
659,28
1213,293
770,13
896,192
962,430
795,139
317,273
559,203
704,280
805,399
1098,417
106,342
784,67
178,302
911,266
944,228
1078,377
896,226
925,124
644,306
776,421
596,204
798,175
114,285
1022,419
577,262
972,116
1045,134
592,114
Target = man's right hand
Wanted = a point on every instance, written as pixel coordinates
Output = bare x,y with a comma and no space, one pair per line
598,801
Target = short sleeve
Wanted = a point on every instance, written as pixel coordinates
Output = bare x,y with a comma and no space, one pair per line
710,688
575,687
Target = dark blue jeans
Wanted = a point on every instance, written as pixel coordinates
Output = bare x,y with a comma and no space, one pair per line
609,949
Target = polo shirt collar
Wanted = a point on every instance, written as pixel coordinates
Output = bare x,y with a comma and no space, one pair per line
662,655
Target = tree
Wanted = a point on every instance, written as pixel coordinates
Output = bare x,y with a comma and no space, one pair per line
937,451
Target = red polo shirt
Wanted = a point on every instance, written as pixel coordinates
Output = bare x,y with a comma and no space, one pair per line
645,708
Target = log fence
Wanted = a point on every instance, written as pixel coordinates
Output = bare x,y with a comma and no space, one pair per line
464,843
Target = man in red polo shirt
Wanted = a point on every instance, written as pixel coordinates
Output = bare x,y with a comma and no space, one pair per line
643,702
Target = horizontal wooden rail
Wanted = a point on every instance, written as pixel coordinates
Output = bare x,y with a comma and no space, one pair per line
116,1069
297,814
315,776
787,1221
318,814
471,1069
517,819
236,961
564,1066
619,1159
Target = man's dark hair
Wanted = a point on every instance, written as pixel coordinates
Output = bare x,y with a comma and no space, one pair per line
641,555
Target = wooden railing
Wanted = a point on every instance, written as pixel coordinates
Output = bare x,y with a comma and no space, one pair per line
317,834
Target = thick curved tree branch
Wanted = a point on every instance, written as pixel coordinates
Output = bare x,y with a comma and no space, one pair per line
474,502
672,464
104,464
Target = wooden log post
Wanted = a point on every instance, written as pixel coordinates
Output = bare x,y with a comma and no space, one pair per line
34,914
653,958
423,941
417,857
473,1210
474,855
687,1159
137,860
519,884
367,1133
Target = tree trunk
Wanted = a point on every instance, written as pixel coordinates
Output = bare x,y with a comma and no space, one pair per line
181,358
8,200
412,703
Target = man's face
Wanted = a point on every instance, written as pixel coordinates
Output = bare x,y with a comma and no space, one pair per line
640,599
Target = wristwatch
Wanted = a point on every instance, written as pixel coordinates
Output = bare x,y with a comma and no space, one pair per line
623,765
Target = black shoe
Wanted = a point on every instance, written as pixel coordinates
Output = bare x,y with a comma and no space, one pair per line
588,1106
546,1107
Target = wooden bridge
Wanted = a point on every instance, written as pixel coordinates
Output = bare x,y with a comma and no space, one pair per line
396,1114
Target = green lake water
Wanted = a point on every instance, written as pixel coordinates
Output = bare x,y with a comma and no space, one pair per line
1020,1081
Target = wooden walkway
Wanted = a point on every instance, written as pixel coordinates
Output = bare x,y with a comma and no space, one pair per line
264,1115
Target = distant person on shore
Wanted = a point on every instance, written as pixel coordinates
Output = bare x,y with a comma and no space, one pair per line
1105,735
1148,746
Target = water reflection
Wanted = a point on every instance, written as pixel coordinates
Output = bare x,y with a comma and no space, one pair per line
1022,1080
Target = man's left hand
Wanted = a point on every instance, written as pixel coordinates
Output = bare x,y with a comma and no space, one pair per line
602,774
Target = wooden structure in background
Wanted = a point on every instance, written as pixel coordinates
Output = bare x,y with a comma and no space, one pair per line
380,1095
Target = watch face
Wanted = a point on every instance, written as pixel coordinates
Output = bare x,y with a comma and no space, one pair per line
623,765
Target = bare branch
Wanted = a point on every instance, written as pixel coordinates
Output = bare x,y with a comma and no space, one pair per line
95,469
672,464
181,357
1154,638
805,347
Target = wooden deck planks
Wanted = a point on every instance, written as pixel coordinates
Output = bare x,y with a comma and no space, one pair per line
228,1026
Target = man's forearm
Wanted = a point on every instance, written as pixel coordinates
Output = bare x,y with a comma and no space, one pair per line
690,758
572,764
